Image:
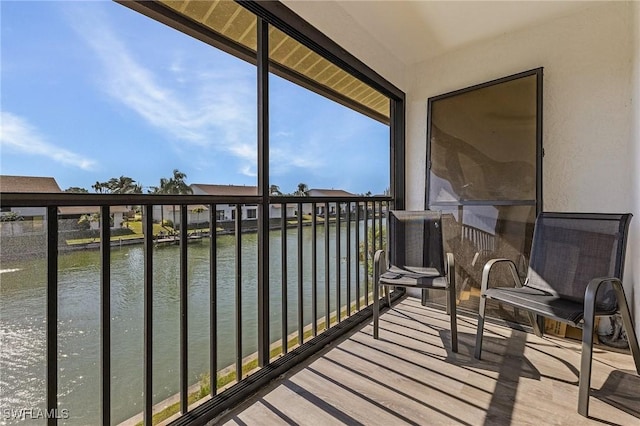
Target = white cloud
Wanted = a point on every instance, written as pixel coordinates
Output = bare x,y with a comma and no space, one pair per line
211,112
17,134
249,171
289,151
245,151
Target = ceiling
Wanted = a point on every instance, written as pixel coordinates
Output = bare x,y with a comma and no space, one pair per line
414,31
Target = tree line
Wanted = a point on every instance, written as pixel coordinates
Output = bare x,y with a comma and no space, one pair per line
175,185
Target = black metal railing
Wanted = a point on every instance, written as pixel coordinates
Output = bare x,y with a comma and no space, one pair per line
353,225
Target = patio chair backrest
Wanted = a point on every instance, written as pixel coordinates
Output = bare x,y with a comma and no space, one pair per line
570,249
415,239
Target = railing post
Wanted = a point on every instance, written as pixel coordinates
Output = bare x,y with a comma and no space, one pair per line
327,280
381,238
357,256
238,277
213,300
52,313
147,226
284,292
338,275
366,253
348,218
184,360
105,312
300,279
314,270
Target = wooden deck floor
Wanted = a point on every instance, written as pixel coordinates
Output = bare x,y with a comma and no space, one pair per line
410,376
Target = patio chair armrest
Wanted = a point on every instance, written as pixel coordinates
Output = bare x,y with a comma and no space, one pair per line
593,286
487,270
590,294
379,262
450,266
450,270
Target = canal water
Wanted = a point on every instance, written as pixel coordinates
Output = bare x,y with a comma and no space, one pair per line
23,318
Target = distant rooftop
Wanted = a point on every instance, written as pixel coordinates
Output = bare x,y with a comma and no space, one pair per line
79,210
329,193
28,184
208,189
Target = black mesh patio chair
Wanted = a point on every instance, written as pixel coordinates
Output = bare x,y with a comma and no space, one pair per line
416,260
575,274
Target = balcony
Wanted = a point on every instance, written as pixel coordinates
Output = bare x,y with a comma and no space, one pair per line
189,325
316,353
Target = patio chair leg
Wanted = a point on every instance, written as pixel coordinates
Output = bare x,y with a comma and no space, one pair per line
451,301
586,358
483,304
376,309
587,336
628,324
454,320
378,260
536,321
480,331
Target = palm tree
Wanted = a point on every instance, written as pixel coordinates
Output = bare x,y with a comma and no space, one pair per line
99,187
124,185
160,190
177,185
173,185
274,190
121,185
76,189
197,210
302,190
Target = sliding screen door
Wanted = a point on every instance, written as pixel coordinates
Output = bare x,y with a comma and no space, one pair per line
484,174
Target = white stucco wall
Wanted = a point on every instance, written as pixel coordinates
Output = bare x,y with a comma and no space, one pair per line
633,263
587,103
590,135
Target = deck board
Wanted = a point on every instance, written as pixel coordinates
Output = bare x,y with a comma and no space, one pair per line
410,376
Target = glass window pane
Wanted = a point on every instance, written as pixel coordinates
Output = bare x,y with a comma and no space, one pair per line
324,145
293,60
316,142
121,95
103,99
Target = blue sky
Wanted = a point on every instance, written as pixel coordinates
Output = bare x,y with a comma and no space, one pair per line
93,90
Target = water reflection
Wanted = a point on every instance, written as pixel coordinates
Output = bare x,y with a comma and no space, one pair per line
23,327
